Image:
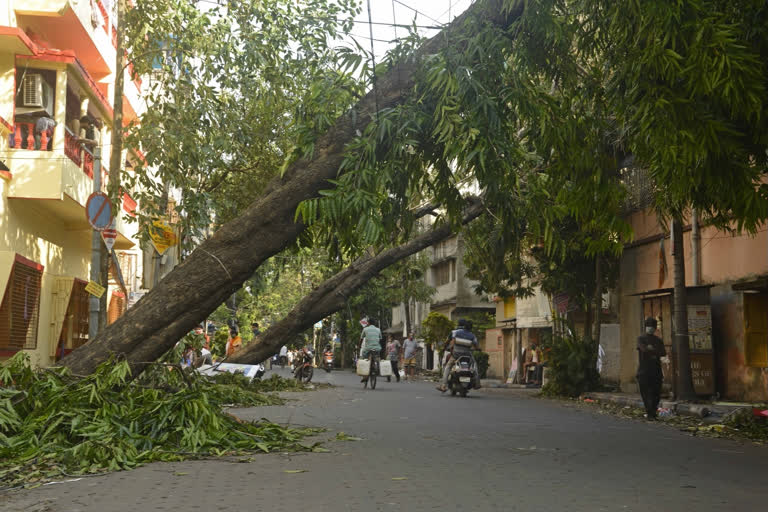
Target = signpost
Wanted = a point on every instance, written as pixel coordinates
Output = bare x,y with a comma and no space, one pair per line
99,213
98,209
109,235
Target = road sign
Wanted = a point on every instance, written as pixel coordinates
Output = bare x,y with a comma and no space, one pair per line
109,235
162,236
95,289
98,209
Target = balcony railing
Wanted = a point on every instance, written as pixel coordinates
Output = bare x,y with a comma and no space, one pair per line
72,147
80,155
24,137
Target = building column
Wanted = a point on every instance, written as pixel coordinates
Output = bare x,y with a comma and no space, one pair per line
60,110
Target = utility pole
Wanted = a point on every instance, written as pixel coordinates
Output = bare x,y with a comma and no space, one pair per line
93,301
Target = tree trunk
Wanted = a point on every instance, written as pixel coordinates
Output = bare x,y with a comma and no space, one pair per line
684,378
408,328
598,299
104,277
220,265
116,154
332,295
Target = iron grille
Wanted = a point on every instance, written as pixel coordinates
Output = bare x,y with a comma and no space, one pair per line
20,310
640,189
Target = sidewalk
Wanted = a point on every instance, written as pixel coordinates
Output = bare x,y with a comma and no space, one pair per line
701,410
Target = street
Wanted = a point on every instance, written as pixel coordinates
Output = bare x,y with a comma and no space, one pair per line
419,450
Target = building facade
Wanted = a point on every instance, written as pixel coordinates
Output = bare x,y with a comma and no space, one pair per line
454,293
727,291
57,74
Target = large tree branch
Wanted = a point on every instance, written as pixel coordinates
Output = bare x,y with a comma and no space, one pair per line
221,264
332,294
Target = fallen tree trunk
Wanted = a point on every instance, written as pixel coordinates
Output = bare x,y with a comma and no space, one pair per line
332,295
221,264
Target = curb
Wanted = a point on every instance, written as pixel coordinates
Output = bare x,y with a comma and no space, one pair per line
683,409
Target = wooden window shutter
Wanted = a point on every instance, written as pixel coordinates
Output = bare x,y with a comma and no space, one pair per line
20,309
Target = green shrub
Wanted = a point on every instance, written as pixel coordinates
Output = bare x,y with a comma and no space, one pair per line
571,366
481,359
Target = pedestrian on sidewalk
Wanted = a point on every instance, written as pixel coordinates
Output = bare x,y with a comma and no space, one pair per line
409,357
650,350
393,354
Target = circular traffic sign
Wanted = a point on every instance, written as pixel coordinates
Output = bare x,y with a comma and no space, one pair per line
98,209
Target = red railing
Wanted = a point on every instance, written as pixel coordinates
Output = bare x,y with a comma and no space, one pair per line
72,147
88,164
24,137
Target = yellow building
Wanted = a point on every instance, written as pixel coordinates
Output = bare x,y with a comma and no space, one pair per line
57,60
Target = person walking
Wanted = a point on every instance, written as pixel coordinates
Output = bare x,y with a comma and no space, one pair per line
650,350
409,357
393,354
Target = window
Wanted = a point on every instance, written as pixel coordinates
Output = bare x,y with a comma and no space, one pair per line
444,272
74,332
20,309
116,307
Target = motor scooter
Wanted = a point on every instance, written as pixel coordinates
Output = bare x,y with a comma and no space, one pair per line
328,360
462,376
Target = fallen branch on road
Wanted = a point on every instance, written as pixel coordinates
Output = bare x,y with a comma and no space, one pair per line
54,424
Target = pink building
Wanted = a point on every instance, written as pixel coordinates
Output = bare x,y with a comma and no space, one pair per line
728,306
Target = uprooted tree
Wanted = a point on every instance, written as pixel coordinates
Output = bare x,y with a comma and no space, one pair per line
220,265
331,295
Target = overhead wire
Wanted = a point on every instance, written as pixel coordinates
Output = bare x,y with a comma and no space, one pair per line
419,12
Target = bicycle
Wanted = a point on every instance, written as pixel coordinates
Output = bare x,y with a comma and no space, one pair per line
374,370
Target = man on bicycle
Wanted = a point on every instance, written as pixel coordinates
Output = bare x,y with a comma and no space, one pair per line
370,340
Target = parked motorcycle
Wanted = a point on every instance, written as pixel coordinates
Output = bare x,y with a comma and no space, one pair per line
462,376
302,366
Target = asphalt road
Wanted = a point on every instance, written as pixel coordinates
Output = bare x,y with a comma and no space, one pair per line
420,450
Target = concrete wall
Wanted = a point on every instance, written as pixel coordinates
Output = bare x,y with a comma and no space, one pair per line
7,81
62,252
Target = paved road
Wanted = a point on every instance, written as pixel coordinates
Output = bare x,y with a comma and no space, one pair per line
496,450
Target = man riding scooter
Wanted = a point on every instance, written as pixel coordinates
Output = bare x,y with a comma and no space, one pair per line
463,332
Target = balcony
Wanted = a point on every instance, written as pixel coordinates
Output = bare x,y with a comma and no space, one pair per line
60,180
71,25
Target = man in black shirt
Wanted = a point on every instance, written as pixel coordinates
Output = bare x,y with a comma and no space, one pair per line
650,350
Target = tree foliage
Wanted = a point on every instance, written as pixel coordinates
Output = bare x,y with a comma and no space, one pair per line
232,87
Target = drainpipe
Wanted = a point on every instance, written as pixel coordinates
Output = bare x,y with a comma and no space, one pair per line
695,248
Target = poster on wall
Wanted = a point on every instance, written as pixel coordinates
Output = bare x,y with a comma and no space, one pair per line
700,327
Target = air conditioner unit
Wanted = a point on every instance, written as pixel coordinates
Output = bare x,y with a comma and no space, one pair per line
37,94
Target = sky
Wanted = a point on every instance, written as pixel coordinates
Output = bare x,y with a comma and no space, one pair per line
386,13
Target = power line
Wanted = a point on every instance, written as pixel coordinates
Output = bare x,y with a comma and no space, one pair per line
430,27
418,12
370,38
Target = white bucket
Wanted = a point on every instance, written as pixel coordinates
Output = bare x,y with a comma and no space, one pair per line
385,368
